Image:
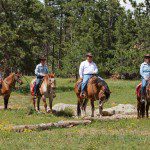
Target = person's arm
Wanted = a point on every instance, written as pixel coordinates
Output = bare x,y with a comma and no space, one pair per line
47,71
81,70
0,77
95,69
141,71
37,73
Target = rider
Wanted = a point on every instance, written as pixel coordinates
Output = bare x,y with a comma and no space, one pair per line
0,76
145,74
40,71
86,70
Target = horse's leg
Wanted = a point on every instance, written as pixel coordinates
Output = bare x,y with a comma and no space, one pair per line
138,111
34,102
147,109
138,108
92,108
143,109
44,101
100,108
38,103
79,107
84,105
51,103
6,98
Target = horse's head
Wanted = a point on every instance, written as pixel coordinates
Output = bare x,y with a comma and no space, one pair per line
104,93
52,82
17,77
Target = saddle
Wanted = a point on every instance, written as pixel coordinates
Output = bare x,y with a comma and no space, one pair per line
32,87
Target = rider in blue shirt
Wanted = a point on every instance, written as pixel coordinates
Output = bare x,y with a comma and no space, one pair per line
40,71
145,74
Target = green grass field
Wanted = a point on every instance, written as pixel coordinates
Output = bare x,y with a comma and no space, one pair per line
121,134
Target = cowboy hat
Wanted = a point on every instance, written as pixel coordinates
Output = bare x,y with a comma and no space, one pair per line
147,56
89,54
42,58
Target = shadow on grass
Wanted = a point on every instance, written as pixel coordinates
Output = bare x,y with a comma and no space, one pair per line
67,112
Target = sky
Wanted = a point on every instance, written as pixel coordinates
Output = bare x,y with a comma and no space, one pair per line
127,5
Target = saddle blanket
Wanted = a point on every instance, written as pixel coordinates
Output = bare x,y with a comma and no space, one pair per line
138,89
32,88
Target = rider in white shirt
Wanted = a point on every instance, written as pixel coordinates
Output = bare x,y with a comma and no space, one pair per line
86,70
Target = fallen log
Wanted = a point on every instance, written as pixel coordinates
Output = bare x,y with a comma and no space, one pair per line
60,124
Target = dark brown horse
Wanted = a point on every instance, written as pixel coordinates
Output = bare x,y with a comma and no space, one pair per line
96,90
7,85
143,106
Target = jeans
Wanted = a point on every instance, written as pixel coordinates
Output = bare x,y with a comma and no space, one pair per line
85,82
144,84
38,82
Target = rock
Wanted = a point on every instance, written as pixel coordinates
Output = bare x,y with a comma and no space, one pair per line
124,109
62,106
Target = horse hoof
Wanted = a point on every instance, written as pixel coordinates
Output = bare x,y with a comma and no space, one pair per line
38,112
49,112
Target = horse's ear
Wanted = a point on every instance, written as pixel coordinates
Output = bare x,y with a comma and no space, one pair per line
51,75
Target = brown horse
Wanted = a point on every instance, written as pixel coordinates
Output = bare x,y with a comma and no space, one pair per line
96,90
143,106
46,90
7,84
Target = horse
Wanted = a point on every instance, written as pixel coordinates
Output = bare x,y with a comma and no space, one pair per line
143,106
7,85
96,90
46,90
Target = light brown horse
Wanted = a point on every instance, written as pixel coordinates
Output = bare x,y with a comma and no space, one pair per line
143,106
46,90
7,85
95,91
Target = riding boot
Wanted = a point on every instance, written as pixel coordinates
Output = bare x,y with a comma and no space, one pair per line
82,94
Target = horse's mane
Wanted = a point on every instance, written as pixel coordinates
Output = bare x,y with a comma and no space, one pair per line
49,76
52,75
8,77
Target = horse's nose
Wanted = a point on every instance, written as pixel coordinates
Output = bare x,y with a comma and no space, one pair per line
53,87
142,101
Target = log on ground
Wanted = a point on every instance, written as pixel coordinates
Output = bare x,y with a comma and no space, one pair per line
60,124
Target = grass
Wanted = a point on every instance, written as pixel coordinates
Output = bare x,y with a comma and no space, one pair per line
121,134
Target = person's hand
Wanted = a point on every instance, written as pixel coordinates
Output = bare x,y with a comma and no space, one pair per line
81,79
94,72
146,78
42,74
